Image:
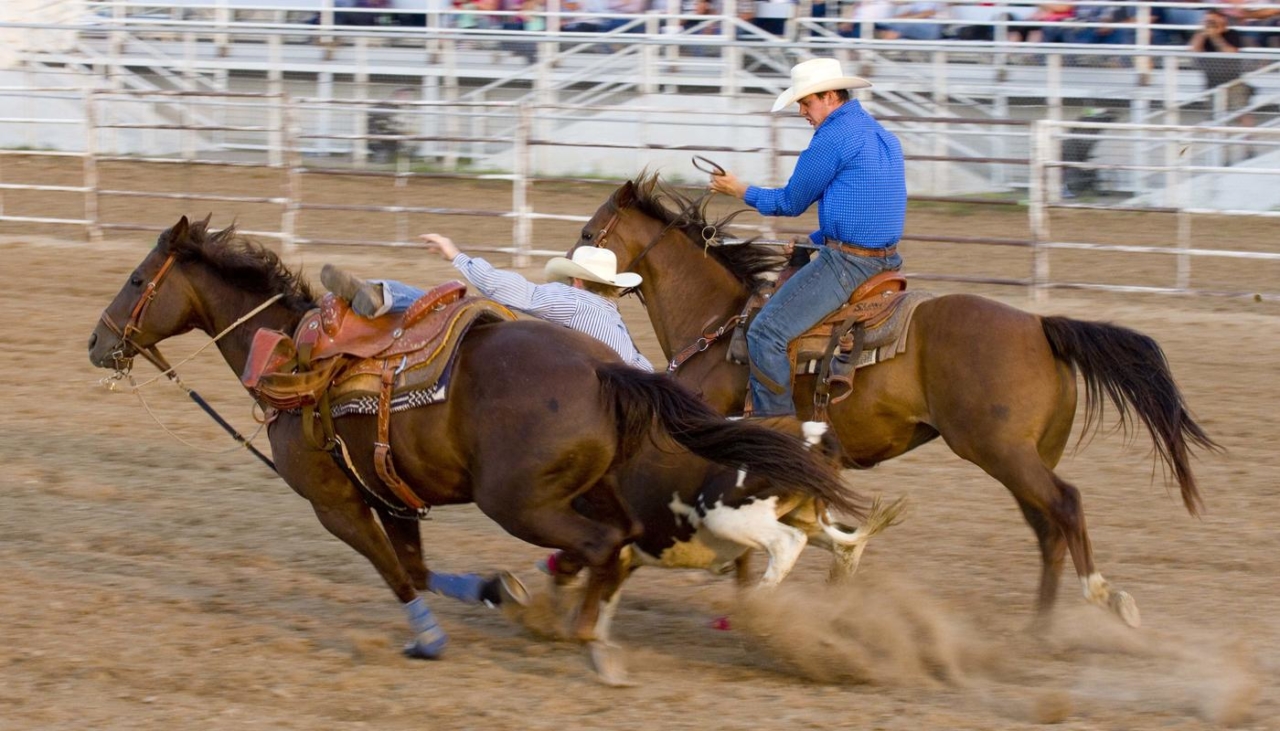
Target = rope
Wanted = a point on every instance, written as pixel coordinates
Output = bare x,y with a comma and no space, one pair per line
173,370
171,373
137,391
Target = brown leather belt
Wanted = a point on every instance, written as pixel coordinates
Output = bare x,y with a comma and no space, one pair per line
878,252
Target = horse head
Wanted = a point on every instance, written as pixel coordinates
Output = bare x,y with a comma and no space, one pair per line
193,278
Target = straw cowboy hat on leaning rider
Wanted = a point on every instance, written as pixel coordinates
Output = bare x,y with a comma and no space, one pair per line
813,76
591,264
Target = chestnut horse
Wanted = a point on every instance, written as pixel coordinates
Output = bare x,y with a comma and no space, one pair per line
538,417
996,383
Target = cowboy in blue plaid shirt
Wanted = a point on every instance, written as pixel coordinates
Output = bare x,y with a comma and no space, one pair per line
853,169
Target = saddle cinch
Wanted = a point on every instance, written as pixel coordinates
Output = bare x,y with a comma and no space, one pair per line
875,316
337,363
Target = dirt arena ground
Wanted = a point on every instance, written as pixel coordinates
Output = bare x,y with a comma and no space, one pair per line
155,584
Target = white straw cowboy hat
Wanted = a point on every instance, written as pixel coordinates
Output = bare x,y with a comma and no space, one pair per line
813,76
591,264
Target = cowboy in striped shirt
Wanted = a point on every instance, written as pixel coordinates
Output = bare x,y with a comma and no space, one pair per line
854,170
582,294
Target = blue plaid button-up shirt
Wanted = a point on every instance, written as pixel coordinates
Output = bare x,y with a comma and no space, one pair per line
853,169
555,302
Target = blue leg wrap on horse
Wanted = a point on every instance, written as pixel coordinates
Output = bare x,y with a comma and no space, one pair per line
463,587
429,640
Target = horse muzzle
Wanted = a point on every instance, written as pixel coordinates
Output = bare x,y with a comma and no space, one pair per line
108,350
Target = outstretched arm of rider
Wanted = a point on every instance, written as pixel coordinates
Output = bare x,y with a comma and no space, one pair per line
507,288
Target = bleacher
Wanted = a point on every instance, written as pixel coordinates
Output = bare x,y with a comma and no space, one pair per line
459,53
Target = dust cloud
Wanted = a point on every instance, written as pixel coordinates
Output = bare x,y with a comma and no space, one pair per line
884,631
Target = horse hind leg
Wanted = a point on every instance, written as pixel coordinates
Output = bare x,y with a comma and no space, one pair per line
1053,509
605,657
1096,589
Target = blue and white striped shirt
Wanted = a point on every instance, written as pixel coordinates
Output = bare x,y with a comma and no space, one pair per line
853,168
579,309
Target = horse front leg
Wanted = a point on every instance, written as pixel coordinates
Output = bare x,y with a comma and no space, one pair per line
352,522
342,511
501,590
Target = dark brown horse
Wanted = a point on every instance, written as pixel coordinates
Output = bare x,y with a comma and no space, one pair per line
537,419
996,383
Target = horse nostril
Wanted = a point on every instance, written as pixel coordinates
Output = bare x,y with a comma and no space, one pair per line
93,340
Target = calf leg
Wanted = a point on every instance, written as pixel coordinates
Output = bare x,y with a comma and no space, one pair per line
756,525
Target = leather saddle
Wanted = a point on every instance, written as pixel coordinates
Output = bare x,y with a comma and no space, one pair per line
869,309
336,356
333,347
864,322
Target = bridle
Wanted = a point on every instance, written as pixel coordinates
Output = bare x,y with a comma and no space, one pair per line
709,232
133,326
600,238
123,363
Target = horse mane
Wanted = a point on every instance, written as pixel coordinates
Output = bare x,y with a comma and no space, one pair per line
751,264
238,259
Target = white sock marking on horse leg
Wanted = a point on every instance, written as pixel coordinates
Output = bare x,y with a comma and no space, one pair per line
813,432
742,477
604,622
1096,589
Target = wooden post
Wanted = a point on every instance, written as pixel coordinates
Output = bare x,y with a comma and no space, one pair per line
1041,142
91,167
292,178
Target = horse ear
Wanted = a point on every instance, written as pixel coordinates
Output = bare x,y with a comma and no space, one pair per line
177,232
204,224
625,196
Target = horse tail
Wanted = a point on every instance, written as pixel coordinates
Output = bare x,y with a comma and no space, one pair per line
641,398
1131,369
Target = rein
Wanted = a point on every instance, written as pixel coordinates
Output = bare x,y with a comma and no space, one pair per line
153,356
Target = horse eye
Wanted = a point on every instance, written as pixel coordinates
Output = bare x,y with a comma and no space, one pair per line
135,280
587,235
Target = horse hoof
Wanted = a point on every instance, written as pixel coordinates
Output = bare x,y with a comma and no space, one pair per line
606,660
428,645
1122,603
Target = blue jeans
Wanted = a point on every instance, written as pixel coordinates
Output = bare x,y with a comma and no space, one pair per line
819,288
397,296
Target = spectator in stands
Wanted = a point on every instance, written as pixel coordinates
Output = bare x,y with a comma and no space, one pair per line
856,17
1216,40
747,14
704,25
916,31
364,18
594,17
1095,15
527,19
1044,14
464,17
774,18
